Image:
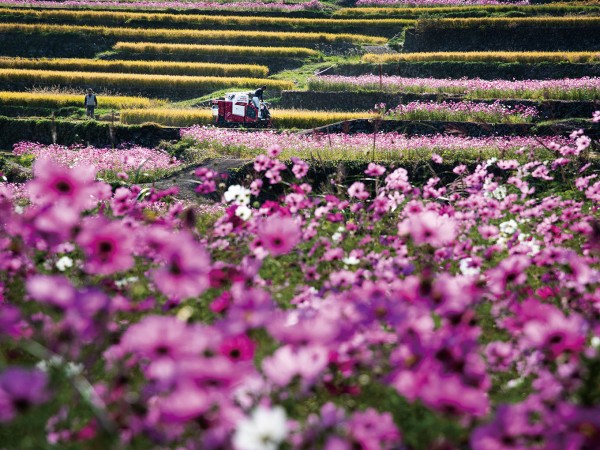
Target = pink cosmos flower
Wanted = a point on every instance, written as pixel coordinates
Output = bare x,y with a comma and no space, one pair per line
54,290
163,342
159,337
274,150
255,187
428,227
262,162
555,333
287,362
488,231
512,270
460,169
20,389
11,323
541,172
55,183
274,171
508,164
357,190
593,192
398,180
375,170
300,168
582,142
185,269
447,394
123,201
55,222
183,404
107,245
279,235
238,348
374,430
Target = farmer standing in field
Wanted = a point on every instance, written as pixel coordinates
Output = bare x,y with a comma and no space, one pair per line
90,103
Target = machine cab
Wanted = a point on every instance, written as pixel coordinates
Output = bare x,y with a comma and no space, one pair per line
238,108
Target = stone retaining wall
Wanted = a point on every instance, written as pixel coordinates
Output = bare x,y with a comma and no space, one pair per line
82,132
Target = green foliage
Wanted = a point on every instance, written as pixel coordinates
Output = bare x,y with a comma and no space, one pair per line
82,132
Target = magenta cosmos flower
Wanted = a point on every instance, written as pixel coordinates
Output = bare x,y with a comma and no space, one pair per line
108,246
55,183
279,235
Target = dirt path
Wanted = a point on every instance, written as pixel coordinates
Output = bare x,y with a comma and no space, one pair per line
187,182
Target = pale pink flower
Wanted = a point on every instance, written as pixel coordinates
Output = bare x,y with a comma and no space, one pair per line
279,235
273,151
428,227
357,190
375,170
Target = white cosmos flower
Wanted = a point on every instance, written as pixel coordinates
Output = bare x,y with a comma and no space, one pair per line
514,383
125,281
499,193
351,261
509,227
265,429
237,194
338,234
64,263
70,368
243,212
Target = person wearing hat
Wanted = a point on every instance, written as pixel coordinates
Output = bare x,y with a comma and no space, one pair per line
258,97
90,103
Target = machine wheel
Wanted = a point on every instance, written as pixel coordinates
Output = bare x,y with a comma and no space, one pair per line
220,121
